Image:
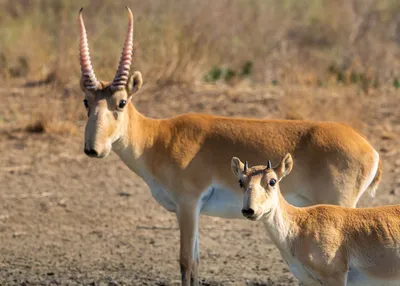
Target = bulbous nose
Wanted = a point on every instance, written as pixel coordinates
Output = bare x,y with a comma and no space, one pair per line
91,152
248,212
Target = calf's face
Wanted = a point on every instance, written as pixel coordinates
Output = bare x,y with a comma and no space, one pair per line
261,185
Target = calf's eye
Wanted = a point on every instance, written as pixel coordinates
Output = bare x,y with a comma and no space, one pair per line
272,182
122,103
241,183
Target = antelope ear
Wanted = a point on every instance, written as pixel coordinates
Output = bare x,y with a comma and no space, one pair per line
284,167
237,167
135,82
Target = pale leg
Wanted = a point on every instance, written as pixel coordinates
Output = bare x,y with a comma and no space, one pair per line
188,215
195,269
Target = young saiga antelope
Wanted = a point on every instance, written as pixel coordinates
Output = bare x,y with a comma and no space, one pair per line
324,244
184,159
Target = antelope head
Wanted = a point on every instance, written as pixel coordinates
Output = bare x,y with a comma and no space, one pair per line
261,185
106,103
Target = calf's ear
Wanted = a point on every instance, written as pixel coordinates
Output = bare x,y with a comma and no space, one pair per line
284,167
237,167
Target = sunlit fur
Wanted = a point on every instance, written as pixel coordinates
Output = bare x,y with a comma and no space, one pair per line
184,156
324,244
185,159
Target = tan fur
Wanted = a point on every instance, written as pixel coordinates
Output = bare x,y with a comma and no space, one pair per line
188,154
185,159
324,240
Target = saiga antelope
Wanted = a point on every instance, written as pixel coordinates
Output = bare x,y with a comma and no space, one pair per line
184,159
324,244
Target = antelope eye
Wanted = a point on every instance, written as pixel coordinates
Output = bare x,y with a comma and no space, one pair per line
85,103
122,103
241,183
272,182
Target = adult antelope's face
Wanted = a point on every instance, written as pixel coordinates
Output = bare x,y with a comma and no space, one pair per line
106,103
261,185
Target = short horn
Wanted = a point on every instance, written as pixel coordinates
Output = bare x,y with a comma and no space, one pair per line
269,164
121,77
246,166
89,78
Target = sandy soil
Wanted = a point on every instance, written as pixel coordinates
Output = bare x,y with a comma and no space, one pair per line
66,219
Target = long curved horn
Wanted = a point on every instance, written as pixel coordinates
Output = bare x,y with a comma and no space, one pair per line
89,78
121,77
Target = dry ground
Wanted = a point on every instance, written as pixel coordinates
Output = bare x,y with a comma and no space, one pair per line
66,219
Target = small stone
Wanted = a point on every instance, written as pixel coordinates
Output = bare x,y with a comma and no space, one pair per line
124,194
62,203
18,234
383,150
387,136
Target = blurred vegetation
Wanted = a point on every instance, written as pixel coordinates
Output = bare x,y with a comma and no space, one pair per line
227,74
184,41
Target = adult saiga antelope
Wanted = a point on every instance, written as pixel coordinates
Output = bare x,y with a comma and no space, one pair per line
324,244
184,159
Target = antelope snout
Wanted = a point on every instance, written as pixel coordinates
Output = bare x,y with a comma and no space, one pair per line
91,152
248,212
94,152
98,150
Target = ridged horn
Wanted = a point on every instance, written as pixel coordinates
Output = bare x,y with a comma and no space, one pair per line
246,166
89,78
269,164
121,77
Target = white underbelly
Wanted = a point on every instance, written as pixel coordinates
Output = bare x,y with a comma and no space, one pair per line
216,201
302,273
162,196
354,277
357,278
297,200
363,271
220,202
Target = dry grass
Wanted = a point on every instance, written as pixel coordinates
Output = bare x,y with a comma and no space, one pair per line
58,114
305,46
179,41
46,123
344,104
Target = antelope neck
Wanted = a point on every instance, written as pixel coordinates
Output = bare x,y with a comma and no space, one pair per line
138,136
281,223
